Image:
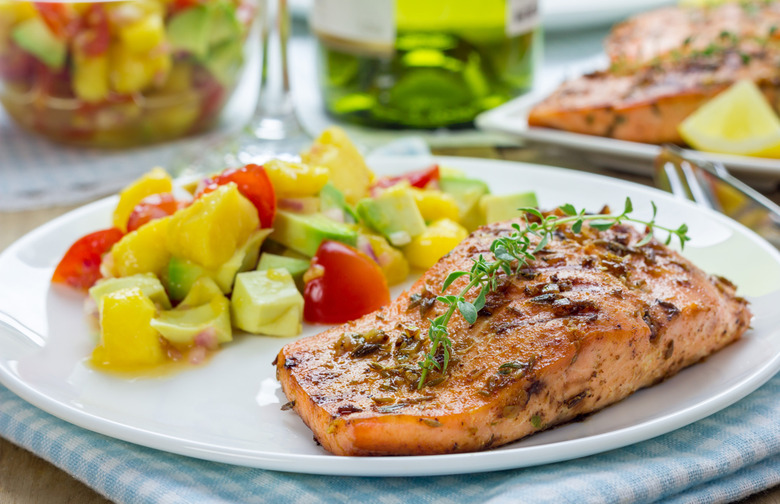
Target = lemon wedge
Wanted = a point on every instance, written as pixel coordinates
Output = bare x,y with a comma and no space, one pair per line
737,121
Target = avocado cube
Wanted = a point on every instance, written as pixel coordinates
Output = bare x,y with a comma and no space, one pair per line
296,267
188,31
203,291
304,232
497,208
393,214
267,302
149,284
467,193
244,259
34,36
333,200
181,326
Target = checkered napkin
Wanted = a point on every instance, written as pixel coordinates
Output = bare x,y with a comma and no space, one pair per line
722,458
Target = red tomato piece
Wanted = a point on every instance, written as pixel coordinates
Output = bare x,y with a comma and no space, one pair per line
94,37
417,178
347,284
57,17
80,266
253,183
155,206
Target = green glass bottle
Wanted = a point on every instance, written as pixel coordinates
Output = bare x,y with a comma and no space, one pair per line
423,63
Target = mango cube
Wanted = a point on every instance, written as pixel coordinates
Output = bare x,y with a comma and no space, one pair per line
346,167
126,336
438,239
295,180
155,181
211,229
144,34
142,251
435,205
394,265
90,76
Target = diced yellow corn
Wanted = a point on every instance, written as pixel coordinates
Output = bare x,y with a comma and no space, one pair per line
435,205
142,251
155,181
438,238
210,230
293,180
90,76
143,35
126,336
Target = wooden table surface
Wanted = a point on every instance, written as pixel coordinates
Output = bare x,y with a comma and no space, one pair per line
27,479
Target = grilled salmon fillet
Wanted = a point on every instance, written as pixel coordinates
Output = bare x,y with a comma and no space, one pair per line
664,65
594,318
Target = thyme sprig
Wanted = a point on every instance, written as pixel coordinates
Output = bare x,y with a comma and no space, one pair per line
511,253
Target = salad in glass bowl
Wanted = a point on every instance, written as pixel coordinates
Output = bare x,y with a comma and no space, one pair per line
120,73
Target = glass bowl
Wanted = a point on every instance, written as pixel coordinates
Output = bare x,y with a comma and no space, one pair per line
120,73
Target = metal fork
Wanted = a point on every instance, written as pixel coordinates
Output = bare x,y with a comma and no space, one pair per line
709,184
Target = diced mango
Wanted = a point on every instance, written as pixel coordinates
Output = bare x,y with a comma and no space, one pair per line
435,205
149,284
131,72
294,180
144,34
142,251
154,182
90,76
210,230
347,170
126,336
438,239
394,265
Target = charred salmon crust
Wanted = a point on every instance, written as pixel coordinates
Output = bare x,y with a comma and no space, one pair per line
594,318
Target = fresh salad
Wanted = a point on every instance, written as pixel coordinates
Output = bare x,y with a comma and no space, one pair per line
261,249
120,73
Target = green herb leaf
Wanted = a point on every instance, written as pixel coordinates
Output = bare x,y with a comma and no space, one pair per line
468,311
451,278
568,209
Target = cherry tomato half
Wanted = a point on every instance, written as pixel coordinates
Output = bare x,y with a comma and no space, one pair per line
58,17
417,178
346,285
80,266
155,206
253,183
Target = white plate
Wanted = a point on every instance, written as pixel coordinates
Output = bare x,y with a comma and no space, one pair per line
512,118
229,409
558,15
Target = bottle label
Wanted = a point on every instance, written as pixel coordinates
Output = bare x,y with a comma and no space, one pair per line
371,24
522,16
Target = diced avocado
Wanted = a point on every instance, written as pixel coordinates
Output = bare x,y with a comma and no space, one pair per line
35,37
296,267
304,233
244,259
467,193
188,30
497,208
223,23
331,199
181,326
181,274
224,61
393,214
267,302
149,284
203,291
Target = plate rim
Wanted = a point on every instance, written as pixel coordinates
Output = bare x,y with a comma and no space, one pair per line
512,118
447,464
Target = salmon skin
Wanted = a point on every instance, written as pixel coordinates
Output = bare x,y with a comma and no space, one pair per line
592,319
664,65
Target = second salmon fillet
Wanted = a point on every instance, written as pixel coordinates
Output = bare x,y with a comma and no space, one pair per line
594,318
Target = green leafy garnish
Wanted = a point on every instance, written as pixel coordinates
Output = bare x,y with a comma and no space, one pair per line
511,253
